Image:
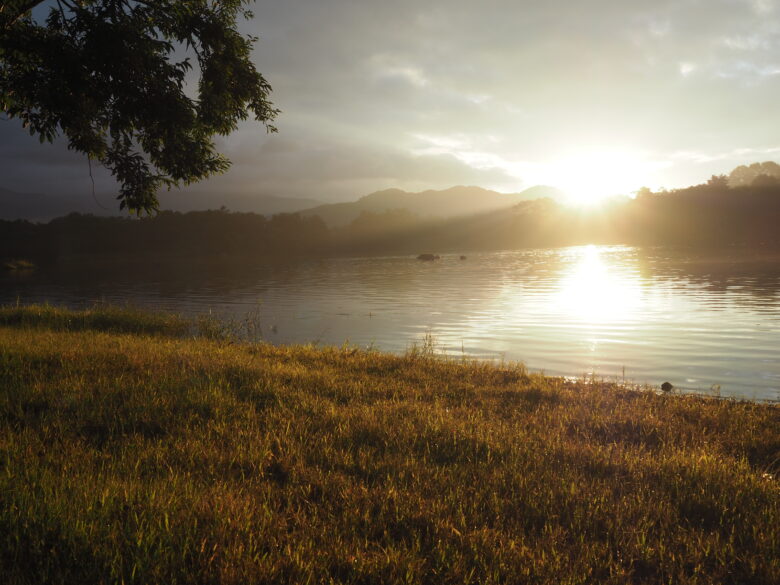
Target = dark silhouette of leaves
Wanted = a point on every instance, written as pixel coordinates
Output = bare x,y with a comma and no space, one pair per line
112,77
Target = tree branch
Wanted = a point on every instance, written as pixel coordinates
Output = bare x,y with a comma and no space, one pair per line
20,11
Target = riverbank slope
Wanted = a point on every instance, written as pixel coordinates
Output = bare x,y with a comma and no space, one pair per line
131,451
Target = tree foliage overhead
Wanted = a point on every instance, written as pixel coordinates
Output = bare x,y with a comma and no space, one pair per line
112,77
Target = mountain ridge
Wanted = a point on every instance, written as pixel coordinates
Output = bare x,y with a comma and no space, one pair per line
455,201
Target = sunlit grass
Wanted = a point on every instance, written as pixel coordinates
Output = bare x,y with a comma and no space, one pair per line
19,264
159,457
129,319
98,318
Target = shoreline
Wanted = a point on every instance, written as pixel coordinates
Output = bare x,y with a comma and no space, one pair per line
131,450
248,328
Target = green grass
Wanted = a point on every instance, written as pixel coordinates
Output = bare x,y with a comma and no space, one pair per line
114,319
153,457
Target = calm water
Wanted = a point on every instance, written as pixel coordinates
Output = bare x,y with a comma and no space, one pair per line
705,323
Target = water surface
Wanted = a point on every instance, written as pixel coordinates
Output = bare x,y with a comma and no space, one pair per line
707,322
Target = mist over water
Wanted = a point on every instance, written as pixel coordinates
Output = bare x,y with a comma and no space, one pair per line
705,322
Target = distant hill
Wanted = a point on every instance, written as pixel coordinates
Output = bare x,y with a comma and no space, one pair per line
711,214
453,202
261,204
15,205
448,203
41,207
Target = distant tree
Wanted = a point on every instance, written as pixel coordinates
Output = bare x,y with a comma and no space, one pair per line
743,175
718,181
643,192
764,180
111,76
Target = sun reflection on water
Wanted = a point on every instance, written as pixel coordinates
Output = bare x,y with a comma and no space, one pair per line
593,291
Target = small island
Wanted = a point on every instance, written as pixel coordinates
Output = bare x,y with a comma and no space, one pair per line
13,265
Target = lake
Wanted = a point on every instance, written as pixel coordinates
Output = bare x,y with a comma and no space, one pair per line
707,322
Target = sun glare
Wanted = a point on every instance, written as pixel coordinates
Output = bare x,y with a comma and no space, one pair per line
594,292
592,177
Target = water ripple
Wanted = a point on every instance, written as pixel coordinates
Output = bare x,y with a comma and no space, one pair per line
647,314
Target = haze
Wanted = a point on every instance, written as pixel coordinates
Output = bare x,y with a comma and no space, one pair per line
596,98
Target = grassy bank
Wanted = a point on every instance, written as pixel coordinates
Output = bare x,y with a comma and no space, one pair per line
136,454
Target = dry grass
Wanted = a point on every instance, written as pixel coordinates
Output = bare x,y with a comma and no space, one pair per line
152,458
18,265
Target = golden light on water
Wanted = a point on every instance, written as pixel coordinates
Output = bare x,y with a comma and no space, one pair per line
594,292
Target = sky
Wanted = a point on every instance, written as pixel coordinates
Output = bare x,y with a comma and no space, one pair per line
597,95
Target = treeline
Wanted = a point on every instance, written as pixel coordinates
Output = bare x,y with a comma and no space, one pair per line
708,214
712,214
197,234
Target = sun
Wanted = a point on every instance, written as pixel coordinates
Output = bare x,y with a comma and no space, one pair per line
590,177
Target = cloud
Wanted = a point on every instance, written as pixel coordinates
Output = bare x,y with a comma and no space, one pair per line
328,168
430,94
749,42
763,7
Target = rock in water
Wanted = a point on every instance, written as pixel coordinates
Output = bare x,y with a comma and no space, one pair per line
667,386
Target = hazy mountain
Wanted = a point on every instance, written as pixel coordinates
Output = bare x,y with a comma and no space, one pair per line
42,207
261,204
453,202
15,205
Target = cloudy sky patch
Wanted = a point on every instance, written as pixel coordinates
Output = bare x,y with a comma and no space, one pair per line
430,94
